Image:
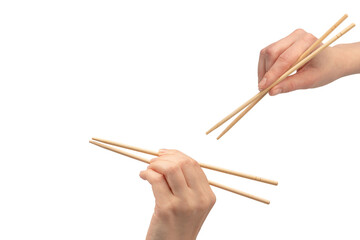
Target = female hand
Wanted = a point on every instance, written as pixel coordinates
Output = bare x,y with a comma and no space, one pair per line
183,197
331,64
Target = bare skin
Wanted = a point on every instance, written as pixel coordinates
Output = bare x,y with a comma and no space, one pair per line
183,197
331,64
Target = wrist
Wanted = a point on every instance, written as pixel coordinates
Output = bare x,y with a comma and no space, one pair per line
168,228
348,58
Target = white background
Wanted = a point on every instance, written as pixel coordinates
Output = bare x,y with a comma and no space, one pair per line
158,74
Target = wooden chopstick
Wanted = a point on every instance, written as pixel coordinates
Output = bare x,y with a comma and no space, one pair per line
210,182
207,166
248,108
253,101
259,96
285,75
325,35
303,59
117,144
130,155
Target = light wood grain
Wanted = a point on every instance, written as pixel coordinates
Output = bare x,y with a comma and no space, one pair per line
144,160
203,165
303,59
319,41
122,145
130,155
285,75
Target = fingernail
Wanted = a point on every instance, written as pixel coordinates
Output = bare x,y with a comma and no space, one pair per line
262,84
277,91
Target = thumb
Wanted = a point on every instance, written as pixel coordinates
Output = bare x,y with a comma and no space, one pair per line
300,80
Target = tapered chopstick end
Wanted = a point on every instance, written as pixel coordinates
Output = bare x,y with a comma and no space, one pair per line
210,130
222,134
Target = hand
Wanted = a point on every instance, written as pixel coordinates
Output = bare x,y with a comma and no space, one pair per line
331,64
183,197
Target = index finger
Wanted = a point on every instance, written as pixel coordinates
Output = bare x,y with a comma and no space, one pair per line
269,54
288,59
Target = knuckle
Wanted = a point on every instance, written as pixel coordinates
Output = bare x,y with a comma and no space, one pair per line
158,178
299,31
153,160
188,162
171,169
284,61
174,151
271,54
308,37
182,162
271,76
212,199
271,51
204,203
268,51
194,163
263,52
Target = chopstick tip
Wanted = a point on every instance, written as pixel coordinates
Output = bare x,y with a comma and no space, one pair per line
222,134
210,130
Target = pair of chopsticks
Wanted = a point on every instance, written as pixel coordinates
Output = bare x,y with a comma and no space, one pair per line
303,59
105,144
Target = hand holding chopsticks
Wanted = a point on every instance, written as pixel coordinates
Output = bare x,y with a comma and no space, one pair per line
183,196
105,144
302,60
